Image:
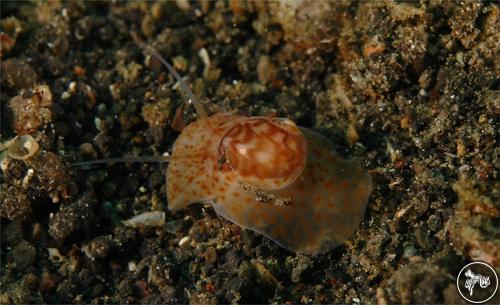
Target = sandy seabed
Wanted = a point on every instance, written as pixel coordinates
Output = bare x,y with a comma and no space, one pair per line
411,89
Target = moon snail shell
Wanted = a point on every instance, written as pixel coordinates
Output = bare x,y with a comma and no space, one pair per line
267,153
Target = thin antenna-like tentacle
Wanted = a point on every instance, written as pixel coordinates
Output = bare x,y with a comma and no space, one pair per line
192,99
160,159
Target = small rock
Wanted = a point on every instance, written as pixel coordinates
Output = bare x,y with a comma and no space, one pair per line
30,110
130,72
75,216
23,255
132,266
181,63
52,175
12,233
183,241
148,26
266,71
87,149
157,10
203,298
18,74
306,24
264,275
15,204
157,114
98,248
11,28
434,223
302,263
210,255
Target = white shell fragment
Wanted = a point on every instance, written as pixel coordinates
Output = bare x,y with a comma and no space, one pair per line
19,148
147,219
22,148
54,255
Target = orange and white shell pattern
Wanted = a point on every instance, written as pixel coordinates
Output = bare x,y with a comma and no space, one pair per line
267,175
270,176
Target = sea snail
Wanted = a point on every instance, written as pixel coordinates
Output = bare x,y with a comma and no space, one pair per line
267,175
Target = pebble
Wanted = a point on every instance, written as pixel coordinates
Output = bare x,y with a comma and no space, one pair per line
302,263
266,71
132,266
183,241
18,74
23,255
72,217
30,110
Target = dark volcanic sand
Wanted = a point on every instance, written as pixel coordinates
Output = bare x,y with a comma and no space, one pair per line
411,89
